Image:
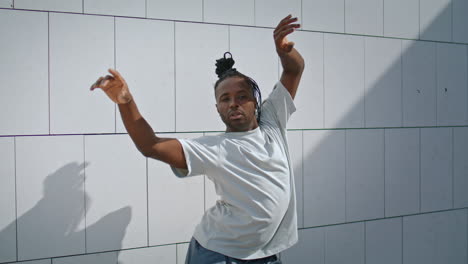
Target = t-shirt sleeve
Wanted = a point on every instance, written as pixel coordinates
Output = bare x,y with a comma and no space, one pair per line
200,153
279,106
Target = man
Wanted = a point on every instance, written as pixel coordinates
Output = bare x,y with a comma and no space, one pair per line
255,218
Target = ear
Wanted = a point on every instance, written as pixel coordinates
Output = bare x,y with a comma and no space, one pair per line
217,109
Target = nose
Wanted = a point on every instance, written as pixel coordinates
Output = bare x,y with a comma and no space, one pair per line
234,103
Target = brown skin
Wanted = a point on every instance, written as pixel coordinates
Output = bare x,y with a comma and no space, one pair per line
234,101
236,105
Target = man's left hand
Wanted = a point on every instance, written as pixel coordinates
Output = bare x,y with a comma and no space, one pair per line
285,27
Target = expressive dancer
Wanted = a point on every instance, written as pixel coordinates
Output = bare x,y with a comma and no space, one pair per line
255,217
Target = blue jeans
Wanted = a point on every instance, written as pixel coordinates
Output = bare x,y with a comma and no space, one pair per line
197,254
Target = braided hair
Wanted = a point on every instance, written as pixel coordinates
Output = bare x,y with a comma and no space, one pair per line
225,70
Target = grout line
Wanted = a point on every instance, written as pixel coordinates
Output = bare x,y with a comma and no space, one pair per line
365,242
325,245
146,8
453,167
203,10
436,77
402,83
13,4
344,16
106,251
176,253
419,19
451,20
384,218
82,5
384,171
383,18
402,241
323,77
302,14
346,174
420,177
222,131
364,83
255,12
303,178
48,68
147,204
175,77
115,67
84,191
247,26
16,194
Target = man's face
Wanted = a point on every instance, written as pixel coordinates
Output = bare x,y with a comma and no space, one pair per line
236,105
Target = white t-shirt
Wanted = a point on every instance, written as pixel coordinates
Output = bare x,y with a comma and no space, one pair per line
252,173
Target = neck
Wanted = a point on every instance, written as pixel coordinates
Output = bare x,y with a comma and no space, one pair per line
232,129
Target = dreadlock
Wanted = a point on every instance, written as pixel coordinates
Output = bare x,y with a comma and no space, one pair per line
225,70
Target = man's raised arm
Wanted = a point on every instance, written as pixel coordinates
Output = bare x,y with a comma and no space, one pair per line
291,60
168,150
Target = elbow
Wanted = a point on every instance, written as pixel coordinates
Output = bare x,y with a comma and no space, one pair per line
148,153
300,65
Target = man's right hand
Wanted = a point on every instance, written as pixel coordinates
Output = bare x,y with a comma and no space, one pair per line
115,87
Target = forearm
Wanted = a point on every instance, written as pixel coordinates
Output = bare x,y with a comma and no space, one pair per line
292,62
293,66
139,130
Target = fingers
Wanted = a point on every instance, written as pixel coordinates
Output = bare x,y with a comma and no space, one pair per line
285,27
284,31
101,82
96,84
116,75
285,23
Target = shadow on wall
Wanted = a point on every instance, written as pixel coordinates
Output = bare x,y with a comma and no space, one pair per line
56,223
411,84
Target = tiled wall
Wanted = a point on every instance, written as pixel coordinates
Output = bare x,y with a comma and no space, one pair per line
379,142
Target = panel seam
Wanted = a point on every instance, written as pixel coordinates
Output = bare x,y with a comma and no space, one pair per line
384,172
115,67
203,10
436,47
402,241
453,168
364,81
346,174
365,242
16,195
419,19
451,21
420,173
303,178
323,77
383,17
402,84
84,191
147,204
175,76
48,69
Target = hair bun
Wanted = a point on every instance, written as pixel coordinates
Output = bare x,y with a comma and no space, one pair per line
224,64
